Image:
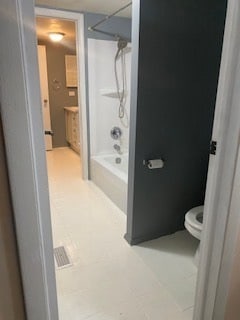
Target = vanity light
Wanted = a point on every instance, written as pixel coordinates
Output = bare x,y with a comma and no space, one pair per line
56,36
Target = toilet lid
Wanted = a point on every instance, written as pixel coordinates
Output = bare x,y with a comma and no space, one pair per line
193,218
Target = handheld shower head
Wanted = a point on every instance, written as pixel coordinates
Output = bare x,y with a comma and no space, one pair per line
122,44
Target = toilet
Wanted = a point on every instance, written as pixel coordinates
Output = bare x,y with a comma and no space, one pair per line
194,223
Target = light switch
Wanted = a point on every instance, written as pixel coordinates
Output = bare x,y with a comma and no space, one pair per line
71,93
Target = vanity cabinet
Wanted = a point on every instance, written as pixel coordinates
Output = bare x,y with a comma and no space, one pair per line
72,128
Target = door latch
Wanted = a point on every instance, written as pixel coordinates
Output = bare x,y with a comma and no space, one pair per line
48,132
213,147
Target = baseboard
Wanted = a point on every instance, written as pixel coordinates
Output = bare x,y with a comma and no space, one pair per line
149,237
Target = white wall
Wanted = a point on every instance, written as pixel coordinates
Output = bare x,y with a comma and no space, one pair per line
103,111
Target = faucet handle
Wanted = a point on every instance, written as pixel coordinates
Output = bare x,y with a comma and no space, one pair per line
116,133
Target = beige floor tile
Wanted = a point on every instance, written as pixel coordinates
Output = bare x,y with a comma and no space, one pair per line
108,279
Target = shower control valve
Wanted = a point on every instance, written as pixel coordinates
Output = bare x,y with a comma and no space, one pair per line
116,133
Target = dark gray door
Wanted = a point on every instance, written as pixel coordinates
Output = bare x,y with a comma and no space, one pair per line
179,54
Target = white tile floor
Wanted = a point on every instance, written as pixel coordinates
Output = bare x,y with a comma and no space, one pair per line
108,279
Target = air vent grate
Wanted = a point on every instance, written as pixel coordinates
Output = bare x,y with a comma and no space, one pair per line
61,257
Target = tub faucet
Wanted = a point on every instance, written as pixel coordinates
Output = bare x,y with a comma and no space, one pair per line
117,148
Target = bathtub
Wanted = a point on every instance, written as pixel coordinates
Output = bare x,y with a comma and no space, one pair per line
111,177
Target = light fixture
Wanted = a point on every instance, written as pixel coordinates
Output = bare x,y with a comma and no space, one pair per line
56,36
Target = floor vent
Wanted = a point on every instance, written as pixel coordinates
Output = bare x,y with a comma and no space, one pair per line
61,257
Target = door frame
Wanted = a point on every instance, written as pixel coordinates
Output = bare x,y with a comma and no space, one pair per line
78,18
220,223
43,73
220,177
21,112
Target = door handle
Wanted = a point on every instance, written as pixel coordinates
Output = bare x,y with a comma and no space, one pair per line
48,132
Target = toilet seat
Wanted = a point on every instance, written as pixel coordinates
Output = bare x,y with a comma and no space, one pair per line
192,221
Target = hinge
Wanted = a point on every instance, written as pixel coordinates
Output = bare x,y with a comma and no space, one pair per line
213,147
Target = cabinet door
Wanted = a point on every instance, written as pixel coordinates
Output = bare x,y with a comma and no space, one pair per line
68,122
72,129
75,132
78,137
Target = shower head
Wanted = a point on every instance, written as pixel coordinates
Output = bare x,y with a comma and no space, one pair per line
122,44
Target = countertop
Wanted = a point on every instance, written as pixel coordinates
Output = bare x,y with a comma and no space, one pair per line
72,109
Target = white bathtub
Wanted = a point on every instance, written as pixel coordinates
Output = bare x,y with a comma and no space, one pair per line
111,177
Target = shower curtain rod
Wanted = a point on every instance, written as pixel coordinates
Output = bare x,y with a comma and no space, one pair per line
93,28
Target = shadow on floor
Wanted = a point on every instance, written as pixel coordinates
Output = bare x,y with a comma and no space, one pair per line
180,243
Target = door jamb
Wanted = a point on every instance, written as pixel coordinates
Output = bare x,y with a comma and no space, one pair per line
220,184
78,18
21,112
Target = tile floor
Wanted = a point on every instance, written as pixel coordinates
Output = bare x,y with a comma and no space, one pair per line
108,279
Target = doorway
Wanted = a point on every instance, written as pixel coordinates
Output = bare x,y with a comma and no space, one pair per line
59,82
67,117
89,229
34,150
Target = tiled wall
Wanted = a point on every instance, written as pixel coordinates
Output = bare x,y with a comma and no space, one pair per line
103,111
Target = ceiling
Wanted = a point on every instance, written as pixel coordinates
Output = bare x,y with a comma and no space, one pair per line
96,6
46,25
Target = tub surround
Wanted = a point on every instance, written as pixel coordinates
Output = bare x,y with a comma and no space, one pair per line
110,176
103,110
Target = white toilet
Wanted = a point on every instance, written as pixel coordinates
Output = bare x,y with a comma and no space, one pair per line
194,224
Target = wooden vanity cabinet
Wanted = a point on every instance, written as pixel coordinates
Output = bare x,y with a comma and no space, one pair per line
72,127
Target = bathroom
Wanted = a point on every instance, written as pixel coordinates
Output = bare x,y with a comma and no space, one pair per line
170,186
